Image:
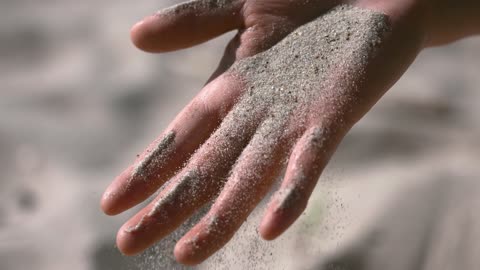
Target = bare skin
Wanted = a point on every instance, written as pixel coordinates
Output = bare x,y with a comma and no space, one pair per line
415,25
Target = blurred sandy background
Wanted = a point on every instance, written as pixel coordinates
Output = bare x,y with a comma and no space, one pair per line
78,101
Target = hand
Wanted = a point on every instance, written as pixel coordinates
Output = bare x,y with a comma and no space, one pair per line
270,105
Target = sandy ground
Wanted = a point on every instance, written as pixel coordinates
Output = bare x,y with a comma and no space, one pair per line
77,102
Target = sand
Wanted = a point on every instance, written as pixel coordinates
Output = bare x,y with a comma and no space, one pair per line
287,80
281,86
154,159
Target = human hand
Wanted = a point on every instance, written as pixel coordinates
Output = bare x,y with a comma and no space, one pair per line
271,104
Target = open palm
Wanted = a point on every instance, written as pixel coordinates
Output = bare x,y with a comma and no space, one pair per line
282,97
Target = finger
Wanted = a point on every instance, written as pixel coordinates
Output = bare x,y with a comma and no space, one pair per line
308,159
166,155
252,176
186,25
198,182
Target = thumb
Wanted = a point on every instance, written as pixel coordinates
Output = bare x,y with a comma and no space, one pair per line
187,24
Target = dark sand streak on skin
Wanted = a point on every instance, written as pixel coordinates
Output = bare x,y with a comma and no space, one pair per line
190,184
144,168
291,195
152,160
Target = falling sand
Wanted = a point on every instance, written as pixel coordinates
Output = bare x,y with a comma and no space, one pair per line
318,63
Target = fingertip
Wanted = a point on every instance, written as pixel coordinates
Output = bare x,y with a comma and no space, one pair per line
107,202
185,255
134,30
134,34
140,34
126,243
111,202
159,34
279,218
138,25
269,229
106,205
